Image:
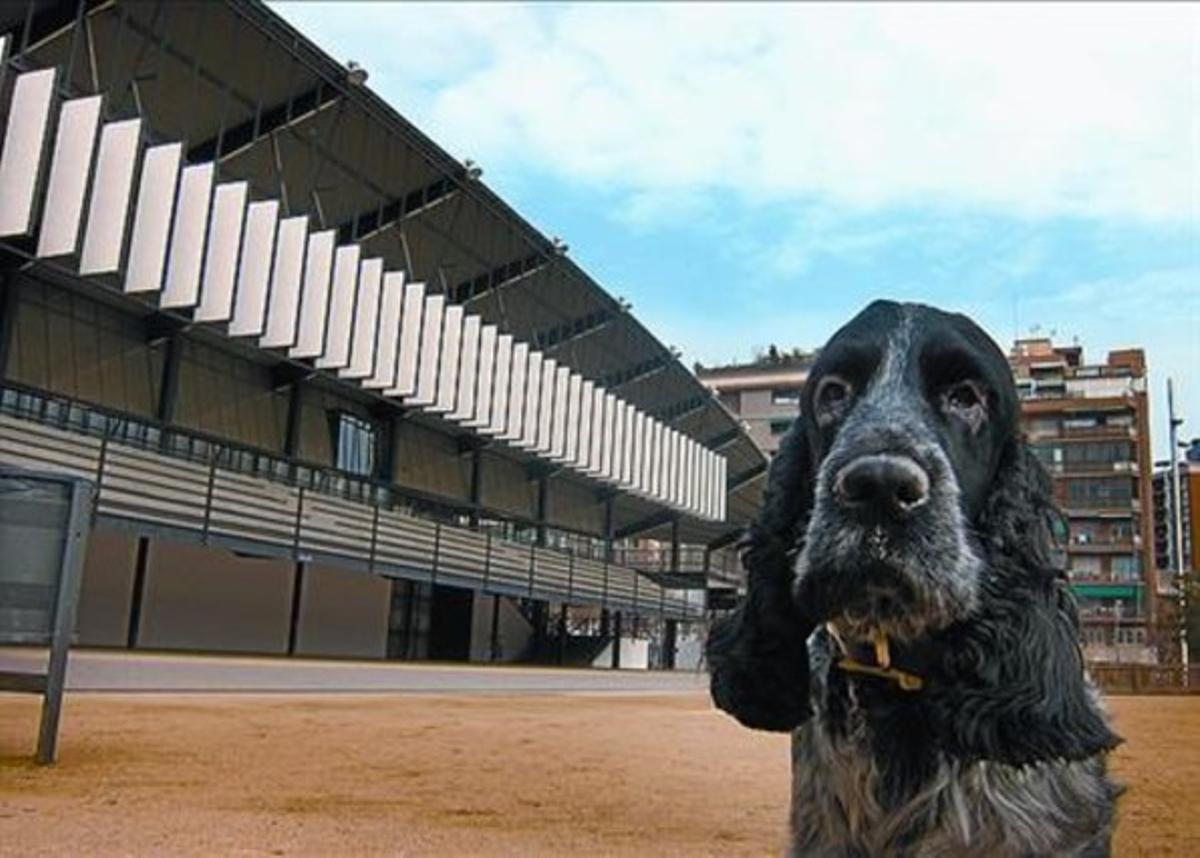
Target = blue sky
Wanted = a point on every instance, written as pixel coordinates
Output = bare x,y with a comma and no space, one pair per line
748,174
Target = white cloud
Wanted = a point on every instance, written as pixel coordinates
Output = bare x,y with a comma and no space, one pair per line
1086,110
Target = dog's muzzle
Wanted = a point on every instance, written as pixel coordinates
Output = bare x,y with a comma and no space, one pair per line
881,487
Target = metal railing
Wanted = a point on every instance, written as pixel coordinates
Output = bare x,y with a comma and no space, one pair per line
155,479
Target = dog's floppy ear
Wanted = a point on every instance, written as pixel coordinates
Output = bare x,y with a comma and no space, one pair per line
758,655
1022,694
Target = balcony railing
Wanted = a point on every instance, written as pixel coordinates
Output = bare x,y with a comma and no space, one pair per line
154,479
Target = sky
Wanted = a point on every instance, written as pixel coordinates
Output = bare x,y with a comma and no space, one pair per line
748,175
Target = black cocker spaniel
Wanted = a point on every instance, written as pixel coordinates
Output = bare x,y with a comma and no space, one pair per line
905,616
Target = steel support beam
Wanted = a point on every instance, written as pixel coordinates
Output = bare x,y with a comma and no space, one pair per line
684,408
726,439
638,371
499,277
648,523
476,487
724,540
370,223
571,330
738,481
10,302
294,615
245,135
168,389
543,491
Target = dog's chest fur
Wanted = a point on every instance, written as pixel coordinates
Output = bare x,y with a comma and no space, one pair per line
850,799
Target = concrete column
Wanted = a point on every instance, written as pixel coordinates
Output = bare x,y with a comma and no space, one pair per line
616,641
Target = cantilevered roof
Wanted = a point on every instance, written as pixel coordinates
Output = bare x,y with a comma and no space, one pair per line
239,88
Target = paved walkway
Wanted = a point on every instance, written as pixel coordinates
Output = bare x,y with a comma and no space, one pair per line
100,670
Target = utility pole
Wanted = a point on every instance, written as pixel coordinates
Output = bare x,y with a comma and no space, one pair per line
1181,576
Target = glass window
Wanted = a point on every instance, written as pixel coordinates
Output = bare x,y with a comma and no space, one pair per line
354,450
778,427
785,396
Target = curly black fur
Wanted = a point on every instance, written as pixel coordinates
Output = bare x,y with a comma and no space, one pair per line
1004,685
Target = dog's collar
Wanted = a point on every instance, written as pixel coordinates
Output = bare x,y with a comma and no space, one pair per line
877,658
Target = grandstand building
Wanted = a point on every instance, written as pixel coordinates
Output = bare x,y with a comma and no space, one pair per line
337,396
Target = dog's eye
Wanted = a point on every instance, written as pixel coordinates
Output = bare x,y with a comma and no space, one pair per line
832,398
967,400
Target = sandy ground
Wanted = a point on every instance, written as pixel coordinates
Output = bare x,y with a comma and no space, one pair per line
463,775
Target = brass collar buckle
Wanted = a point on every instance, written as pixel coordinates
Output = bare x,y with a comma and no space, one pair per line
883,662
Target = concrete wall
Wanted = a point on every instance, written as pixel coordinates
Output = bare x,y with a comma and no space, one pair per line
428,461
635,654
83,349
506,486
204,598
343,613
514,630
574,506
228,396
315,441
104,593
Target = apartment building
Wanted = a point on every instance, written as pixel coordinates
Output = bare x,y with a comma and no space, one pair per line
1089,425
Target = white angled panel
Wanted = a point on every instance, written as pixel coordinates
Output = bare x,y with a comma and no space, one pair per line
718,483
152,218
411,318
258,244
283,298
558,421
108,208
447,386
514,426
624,443
340,317
688,472
221,256
366,320
70,167
468,370
682,488
706,478
619,448
595,465
656,458
182,288
722,493
583,439
314,295
485,383
639,452
431,348
533,398
24,147
694,495
545,424
501,386
650,461
608,453
574,401
388,342
669,463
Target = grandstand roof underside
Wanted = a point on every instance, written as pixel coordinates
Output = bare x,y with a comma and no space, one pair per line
240,86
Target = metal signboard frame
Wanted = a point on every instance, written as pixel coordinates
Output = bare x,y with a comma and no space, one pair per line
51,684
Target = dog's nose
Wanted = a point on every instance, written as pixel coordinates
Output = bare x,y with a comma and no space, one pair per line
882,484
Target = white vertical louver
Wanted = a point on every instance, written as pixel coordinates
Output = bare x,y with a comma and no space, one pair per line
171,231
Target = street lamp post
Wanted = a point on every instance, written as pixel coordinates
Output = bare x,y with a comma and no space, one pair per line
1177,529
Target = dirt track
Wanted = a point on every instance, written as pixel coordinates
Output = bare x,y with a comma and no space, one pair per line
533,775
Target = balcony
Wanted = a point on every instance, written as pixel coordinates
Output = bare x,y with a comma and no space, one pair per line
162,481
1101,547
1069,433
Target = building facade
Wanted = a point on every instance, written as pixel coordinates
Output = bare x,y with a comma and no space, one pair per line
1089,424
337,396
764,394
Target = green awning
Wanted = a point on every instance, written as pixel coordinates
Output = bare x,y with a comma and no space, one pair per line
1108,591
